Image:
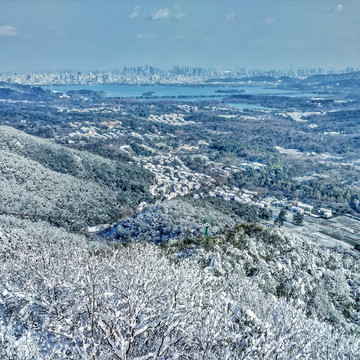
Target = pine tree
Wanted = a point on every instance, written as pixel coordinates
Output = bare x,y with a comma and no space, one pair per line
278,222
298,218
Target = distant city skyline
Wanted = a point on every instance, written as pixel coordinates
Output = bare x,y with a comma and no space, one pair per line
87,35
197,70
172,68
142,75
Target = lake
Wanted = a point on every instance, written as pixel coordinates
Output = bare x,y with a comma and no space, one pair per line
185,92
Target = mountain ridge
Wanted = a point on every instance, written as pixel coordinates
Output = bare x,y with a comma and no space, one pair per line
77,187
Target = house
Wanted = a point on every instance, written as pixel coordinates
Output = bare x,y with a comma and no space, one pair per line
297,209
325,213
305,207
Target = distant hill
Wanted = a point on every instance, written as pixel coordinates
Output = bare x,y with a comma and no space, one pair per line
348,79
25,92
36,93
83,94
67,187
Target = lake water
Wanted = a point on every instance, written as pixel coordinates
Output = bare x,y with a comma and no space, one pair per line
181,92
184,91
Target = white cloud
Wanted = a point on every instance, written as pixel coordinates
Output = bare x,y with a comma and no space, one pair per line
269,21
145,36
337,8
166,13
161,14
230,17
135,13
8,30
177,13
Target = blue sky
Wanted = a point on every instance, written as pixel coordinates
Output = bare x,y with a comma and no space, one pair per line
108,34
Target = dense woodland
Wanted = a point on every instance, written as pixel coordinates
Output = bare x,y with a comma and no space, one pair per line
66,187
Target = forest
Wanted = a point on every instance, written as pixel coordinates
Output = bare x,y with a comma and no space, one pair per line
70,188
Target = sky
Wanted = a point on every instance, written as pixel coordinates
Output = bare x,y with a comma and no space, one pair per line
82,35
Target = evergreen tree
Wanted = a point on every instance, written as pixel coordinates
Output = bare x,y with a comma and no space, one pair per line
298,218
278,222
282,214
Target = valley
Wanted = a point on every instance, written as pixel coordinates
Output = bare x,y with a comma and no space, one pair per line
271,157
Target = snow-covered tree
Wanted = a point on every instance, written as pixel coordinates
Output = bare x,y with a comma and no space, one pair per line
64,297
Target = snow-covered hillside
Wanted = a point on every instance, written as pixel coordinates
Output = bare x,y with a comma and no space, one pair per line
69,188
64,297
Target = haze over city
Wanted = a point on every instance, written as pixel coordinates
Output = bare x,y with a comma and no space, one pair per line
83,35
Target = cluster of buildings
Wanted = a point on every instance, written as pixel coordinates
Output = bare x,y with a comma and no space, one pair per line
170,119
98,109
151,75
172,177
308,209
295,206
235,194
87,130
